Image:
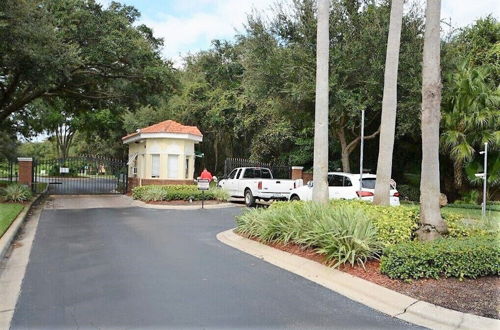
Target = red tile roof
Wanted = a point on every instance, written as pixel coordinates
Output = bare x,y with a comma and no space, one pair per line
167,126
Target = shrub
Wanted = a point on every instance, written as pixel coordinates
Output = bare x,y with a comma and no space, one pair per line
460,227
449,257
176,192
16,193
394,224
409,192
344,234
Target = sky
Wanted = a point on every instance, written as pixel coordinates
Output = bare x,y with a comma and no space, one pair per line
190,25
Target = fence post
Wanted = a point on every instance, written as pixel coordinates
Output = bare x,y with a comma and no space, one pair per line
25,170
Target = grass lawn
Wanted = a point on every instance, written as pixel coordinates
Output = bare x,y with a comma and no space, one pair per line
471,213
8,212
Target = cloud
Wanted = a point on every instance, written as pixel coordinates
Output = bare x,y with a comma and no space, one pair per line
206,20
190,25
464,12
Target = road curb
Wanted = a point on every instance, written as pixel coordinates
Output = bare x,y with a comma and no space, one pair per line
368,293
11,233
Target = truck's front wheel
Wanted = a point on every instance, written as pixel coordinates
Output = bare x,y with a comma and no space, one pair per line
295,198
249,199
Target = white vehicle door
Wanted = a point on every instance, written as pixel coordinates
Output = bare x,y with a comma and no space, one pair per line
335,183
231,181
348,189
246,178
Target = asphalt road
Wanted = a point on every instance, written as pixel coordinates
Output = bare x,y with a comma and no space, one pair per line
137,268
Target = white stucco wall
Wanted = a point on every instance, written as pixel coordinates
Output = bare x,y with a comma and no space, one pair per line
162,147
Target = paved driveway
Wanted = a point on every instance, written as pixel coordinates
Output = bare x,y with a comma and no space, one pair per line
135,268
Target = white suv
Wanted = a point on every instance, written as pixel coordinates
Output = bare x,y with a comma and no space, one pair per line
346,186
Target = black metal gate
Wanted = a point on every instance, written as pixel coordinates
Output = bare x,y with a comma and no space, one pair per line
82,175
279,171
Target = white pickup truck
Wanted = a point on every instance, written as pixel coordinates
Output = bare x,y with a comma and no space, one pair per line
255,183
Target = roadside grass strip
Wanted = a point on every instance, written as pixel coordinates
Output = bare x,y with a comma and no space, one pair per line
8,213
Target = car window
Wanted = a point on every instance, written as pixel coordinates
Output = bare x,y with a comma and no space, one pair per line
249,173
265,174
232,174
335,181
369,183
347,182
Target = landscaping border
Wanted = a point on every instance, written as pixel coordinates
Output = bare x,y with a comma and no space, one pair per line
11,233
370,294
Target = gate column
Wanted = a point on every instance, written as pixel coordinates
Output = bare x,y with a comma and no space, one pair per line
25,170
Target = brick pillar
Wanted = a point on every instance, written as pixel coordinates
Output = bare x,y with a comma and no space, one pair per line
297,172
25,170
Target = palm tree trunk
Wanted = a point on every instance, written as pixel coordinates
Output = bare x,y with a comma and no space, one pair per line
320,188
458,173
389,105
431,223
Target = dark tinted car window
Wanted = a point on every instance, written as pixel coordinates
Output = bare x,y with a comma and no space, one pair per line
249,173
347,182
369,183
232,174
265,174
335,181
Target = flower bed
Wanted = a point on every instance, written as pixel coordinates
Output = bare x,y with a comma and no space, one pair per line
354,232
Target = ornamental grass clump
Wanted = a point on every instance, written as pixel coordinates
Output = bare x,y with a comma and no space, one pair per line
342,234
16,193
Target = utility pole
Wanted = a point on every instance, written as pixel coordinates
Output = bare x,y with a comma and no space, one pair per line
361,151
485,177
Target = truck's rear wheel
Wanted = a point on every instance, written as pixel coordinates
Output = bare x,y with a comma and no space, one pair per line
295,198
249,199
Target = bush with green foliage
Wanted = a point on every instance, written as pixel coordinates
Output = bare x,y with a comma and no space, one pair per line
448,257
16,193
343,234
394,224
176,192
409,192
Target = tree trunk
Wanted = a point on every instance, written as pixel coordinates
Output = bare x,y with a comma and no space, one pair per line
458,173
431,223
344,151
320,176
389,104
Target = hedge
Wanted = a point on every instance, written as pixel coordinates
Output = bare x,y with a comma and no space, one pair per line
176,192
447,257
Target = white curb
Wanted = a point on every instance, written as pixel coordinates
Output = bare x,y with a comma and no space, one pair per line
370,294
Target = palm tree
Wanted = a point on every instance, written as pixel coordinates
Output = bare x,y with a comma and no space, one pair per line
470,117
389,104
320,188
431,223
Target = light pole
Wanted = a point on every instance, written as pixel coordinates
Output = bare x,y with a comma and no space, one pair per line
362,146
485,177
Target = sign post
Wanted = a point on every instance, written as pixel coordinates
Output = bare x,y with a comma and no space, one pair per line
203,184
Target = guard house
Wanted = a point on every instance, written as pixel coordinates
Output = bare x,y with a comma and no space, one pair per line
162,153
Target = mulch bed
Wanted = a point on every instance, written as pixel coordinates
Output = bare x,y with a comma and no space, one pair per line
479,296
209,202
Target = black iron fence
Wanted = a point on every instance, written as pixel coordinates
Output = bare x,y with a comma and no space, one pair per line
280,171
9,172
82,175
